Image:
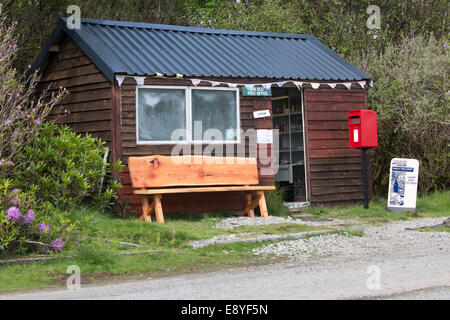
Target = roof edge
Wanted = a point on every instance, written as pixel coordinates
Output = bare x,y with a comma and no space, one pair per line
42,59
57,35
143,25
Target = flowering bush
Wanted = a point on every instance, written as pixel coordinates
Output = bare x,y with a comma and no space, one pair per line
66,169
21,113
22,230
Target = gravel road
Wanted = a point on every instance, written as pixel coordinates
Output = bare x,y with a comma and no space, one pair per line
410,264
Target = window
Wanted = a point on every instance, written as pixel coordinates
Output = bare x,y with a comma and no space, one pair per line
160,112
170,115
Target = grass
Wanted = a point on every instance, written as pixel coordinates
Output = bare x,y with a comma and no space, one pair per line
282,228
99,264
440,229
99,260
433,205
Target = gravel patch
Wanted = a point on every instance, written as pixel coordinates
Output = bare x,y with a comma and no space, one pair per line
234,222
247,237
386,239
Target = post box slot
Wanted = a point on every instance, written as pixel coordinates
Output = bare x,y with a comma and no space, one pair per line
355,120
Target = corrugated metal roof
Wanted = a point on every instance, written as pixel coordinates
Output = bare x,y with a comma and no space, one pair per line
146,49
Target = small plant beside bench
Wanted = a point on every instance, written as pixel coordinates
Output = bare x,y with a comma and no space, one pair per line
154,176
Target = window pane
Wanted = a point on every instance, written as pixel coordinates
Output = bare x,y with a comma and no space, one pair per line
160,112
216,109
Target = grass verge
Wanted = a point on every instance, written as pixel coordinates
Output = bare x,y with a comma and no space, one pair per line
433,205
99,264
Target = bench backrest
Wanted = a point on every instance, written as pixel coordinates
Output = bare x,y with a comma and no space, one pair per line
165,171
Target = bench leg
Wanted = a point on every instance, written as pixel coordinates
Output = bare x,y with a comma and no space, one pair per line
146,210
158,209
262,205
250,205
248,201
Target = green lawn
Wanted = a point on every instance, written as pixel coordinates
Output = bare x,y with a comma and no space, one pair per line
433,205
441,229
282,228
99,260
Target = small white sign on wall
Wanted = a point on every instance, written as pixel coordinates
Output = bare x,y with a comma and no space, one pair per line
264,136
403,180
261,114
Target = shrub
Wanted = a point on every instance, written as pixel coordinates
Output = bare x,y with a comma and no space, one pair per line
23,229
411,98
274,200
65,168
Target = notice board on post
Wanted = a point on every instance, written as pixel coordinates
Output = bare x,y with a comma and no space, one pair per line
403,180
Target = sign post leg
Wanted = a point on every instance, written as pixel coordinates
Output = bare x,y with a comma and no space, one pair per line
365,178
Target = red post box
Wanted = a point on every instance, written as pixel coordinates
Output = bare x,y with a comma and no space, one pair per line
363,128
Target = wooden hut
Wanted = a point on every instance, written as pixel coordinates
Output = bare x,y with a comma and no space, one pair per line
115,70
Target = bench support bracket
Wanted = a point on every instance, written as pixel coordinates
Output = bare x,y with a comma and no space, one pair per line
251,204
156,206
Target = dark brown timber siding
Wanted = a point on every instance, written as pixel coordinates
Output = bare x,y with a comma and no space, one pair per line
335,170
182,202
90,99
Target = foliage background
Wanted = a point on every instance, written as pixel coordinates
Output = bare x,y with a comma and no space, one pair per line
402,57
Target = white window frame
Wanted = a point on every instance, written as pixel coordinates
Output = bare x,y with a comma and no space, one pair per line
188,104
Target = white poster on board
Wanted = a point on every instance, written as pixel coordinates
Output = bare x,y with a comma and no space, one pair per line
264,136
404,176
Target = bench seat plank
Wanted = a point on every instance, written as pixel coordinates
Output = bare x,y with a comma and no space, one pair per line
203,189
166,171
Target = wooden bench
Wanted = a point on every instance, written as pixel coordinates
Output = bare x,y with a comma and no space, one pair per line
154,176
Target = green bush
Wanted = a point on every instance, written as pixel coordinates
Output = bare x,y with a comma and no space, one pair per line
411,98
65,169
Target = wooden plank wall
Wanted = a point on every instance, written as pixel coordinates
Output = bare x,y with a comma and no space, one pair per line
90,99
335,170
183,202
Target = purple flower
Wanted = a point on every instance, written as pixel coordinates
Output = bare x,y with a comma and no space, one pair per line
19,107
44,227
14,191
414,97
38,122
10,162
57,244
8,122
29,217
445,45
15,201
13,214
